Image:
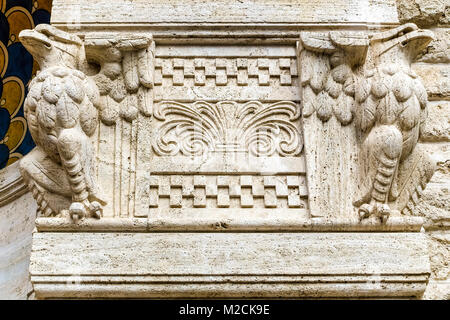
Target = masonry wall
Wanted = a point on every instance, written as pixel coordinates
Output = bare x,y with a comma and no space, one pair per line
434,68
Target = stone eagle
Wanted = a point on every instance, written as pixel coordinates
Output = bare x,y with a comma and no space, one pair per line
368,82
61,110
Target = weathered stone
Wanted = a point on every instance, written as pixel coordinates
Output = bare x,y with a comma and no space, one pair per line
217,265
424,13
17,214
437,127
438,51
436,79
436,196
439,251
235,150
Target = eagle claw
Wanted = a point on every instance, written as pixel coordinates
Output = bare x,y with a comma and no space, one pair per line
382,211
77,211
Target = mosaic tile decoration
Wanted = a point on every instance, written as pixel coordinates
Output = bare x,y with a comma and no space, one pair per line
16,70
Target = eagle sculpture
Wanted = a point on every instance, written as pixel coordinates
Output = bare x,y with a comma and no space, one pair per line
61,110
366,81
392,110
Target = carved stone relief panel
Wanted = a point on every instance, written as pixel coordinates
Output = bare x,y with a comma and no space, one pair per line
307,140
225,134
187,128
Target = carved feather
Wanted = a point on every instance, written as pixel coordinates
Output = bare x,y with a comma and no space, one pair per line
344,109
420,92
129,108
88,117
118,91
130,71
333,88
46,114
324,106
67,111
401,86
51,89
367,110
74,88
145,101
145,67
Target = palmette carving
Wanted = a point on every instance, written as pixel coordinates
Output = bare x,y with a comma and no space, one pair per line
61,110
201,127
380,94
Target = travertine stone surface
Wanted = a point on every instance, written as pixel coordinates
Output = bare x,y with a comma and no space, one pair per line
425,13
214,265
438,50
436,78
148,12
437,128
439,251
432,66
17,214
239,142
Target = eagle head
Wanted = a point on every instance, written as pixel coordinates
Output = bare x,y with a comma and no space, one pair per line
401,44
53,47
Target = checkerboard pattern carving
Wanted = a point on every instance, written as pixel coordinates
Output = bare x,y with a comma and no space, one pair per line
227,191
225,71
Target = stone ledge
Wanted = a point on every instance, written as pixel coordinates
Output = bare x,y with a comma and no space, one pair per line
12,185
208,220
220,265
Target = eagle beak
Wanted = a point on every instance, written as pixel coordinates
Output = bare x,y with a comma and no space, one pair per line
416,40
407,36
34,41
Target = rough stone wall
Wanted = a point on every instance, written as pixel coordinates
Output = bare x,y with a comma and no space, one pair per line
434,68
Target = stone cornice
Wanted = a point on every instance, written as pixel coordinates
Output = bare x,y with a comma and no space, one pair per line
12,185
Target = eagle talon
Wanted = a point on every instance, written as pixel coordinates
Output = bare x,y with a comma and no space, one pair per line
96,209
365,211
381,210
384,212
77,211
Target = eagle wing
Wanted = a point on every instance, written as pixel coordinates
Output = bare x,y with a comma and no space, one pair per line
125,79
